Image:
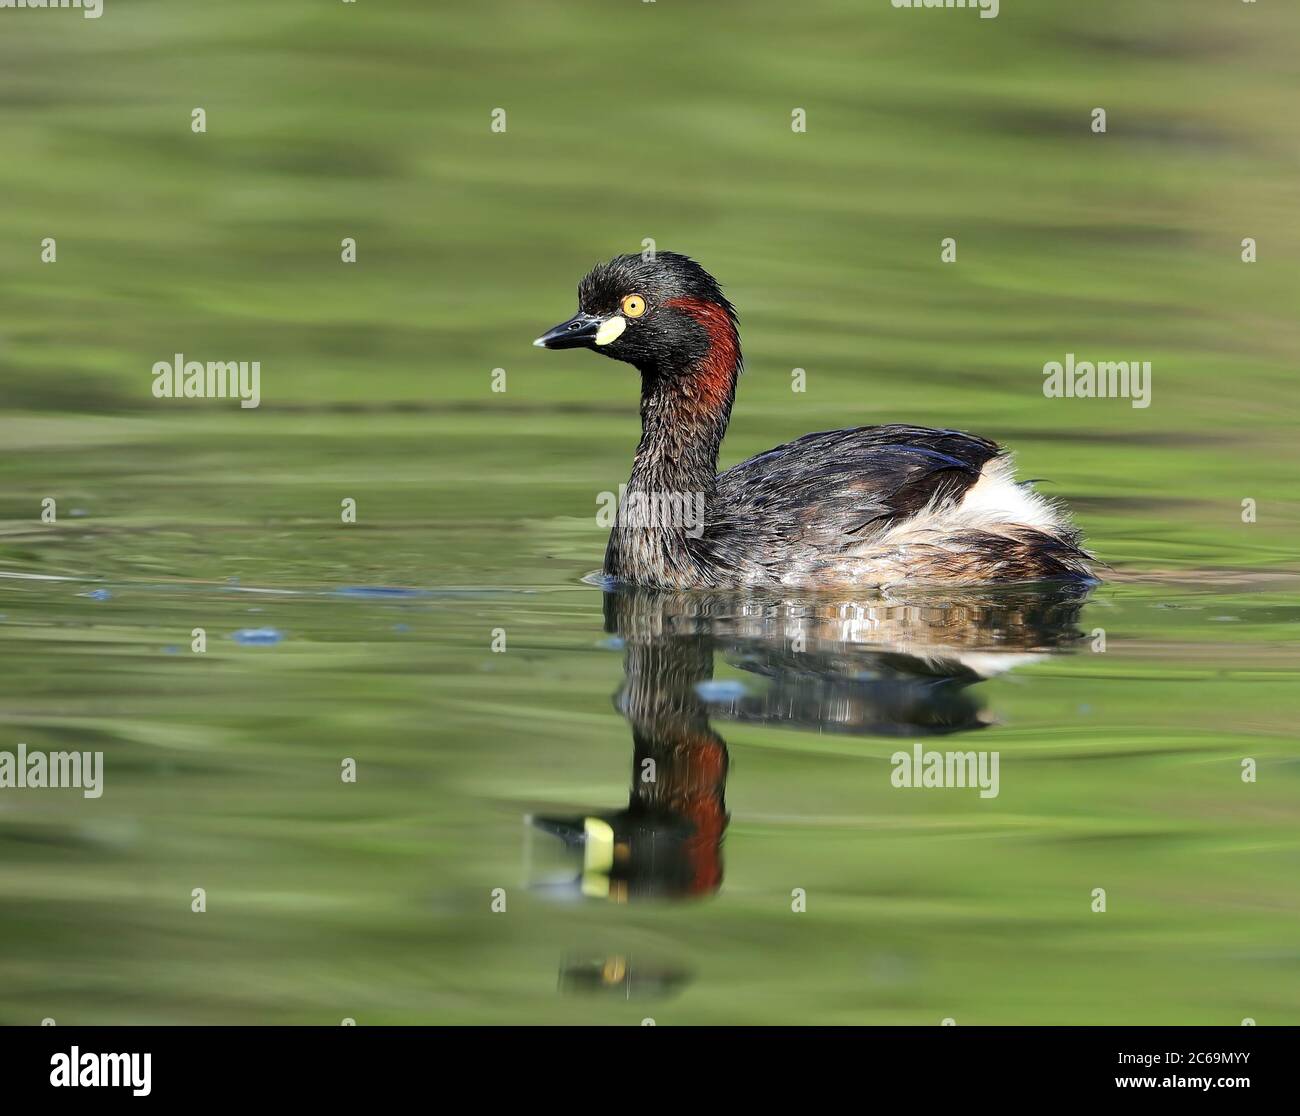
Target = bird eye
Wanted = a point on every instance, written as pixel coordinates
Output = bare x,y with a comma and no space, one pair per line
633,306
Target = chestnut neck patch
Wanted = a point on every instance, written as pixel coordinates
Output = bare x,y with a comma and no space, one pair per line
715,374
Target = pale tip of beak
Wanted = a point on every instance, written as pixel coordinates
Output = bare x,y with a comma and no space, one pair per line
539,343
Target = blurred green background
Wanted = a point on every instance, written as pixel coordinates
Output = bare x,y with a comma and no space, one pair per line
627,120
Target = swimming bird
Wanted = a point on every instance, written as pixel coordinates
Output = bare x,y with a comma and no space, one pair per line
871,506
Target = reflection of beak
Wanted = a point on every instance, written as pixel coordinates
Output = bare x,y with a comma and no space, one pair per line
595,838
582,331
570,832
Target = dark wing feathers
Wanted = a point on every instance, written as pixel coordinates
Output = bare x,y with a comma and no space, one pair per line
851,480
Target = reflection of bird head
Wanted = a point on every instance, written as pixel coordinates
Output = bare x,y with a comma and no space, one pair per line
668,842
640,854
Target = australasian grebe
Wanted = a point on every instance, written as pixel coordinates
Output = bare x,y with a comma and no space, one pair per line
870,506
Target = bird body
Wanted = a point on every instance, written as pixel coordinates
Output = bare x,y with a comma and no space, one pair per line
870,506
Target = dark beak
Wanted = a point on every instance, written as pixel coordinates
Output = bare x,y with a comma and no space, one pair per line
568,830
578,332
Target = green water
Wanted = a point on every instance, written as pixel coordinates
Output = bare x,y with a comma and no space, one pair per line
1119,769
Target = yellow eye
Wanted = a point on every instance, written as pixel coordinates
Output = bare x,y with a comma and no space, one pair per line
633,306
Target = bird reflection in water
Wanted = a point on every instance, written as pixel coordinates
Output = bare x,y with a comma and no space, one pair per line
884,667
871,668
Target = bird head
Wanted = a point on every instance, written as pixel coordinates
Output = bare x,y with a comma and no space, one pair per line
660,313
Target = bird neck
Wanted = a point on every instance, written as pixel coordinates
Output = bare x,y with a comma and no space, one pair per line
686,403
681,433
669,497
